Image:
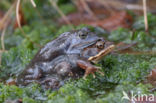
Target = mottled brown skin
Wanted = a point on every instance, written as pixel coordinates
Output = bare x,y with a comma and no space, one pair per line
63,58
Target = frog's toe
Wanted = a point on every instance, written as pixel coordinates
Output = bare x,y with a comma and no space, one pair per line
100,72
93,75
92,70
86,74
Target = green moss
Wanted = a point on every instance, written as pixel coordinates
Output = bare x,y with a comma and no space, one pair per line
30,94
14,61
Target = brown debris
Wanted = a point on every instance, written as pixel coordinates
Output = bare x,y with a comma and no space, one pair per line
151,78
98,13
77,18
118,19
11,81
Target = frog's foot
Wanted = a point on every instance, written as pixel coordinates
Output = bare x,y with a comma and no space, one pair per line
89,68
92,70
29,75
33,74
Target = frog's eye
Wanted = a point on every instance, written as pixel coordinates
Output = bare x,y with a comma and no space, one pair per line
82,35
100,44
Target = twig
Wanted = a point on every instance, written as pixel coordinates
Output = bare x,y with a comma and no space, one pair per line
33,3
145,15
2,39
19,24
17,14
60,12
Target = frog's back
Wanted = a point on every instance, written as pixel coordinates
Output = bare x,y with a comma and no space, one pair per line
53,49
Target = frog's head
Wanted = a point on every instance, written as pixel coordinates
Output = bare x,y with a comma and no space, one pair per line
86,43
81,39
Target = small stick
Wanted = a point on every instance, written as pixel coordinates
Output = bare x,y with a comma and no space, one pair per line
17,13
2,39
145,15
33,3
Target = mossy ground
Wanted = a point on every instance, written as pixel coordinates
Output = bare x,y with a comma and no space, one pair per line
123,72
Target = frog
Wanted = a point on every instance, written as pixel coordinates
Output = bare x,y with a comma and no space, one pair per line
68,56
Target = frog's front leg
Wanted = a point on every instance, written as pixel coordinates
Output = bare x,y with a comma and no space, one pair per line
88,67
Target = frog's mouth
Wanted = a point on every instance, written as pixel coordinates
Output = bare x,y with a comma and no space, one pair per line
104,52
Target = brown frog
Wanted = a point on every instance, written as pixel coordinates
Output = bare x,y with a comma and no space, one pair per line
68,56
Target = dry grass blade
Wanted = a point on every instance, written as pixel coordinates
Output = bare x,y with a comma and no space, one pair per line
60,12
145,14
19,24
17,14
33,3
2,39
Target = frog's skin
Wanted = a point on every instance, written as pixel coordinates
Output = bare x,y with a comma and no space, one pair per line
63,58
